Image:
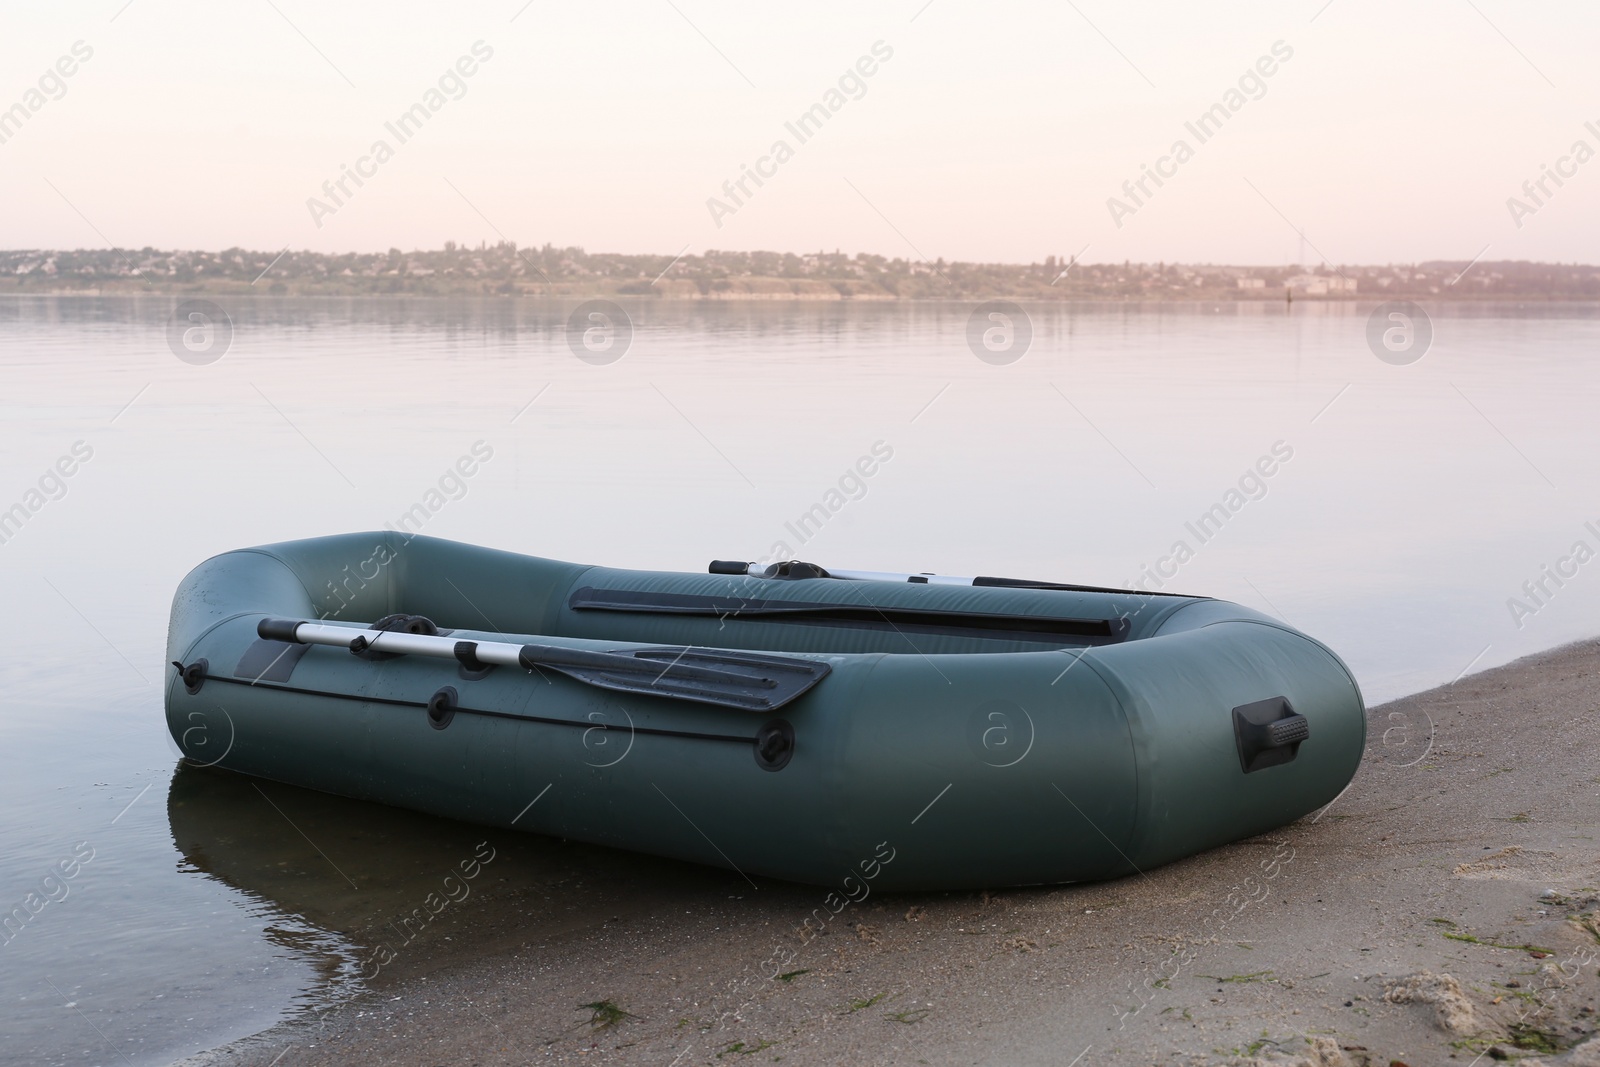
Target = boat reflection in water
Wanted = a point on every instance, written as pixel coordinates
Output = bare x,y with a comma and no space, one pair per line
368,893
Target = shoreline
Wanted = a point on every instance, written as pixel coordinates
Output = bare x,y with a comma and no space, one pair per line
505,269
1409,920
964,300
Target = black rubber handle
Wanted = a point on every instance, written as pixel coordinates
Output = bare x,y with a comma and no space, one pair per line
277,629
1289,731
1268,733
728,566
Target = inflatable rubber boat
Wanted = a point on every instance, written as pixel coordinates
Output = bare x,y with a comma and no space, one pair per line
837,728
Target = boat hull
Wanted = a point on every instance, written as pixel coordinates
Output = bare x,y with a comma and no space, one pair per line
940,766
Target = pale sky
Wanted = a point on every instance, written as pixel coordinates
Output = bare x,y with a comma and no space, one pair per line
1394,132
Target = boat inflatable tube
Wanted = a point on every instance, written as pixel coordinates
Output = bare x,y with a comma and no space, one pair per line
919,733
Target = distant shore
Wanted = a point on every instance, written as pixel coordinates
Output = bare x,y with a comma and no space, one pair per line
735,296
506,271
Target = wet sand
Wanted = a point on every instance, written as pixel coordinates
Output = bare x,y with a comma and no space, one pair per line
1442,910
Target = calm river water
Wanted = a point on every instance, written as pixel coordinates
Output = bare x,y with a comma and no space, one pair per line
1411,509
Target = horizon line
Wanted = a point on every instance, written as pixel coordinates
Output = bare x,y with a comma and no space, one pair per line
450,247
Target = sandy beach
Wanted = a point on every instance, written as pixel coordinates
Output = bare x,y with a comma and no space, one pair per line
1443,909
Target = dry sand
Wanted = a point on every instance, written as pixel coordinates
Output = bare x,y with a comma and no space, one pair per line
1442,910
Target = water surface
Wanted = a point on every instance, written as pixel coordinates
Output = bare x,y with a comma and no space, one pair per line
1415,505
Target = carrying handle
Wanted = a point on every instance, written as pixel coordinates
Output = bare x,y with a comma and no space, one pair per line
1268,733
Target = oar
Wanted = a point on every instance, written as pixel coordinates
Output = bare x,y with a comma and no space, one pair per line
746,680
797,569
792,569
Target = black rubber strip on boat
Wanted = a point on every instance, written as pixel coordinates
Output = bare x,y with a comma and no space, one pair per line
1023,583
1044,629
463,710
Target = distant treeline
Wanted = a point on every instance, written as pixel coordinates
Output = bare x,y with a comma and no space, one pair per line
503,269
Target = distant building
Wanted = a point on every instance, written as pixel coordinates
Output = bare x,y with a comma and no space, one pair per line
1252,283
1321,284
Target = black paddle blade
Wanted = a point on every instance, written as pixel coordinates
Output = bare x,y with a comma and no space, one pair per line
749,681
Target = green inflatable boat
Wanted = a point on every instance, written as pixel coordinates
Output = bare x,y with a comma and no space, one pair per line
848,729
